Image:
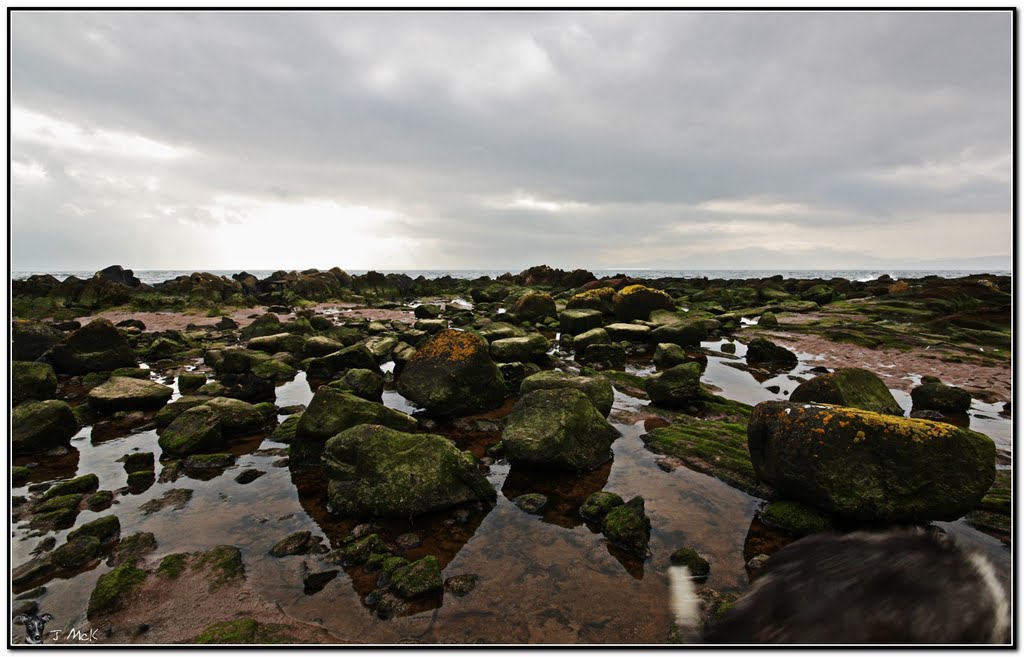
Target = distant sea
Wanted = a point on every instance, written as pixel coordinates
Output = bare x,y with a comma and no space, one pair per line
153,276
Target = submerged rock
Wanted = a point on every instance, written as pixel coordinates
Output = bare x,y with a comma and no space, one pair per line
867,465
417,579
560,428
849,386
452,374
378,471
599,504
628,527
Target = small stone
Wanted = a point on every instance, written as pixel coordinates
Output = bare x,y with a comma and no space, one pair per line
758,562
297,543
531,502
408,541
249,475
460,585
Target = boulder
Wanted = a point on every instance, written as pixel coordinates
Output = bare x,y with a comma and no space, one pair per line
361,383
520,350
172,410
579,320
668,354
768,319
236,416
597,506
197,430
319,345
593,336
676,387
628,527
271,344
867,465
417,579
933,395
761,351
599,299
123,393
685,334
849,386
358,356
266,324
38,426
332,411
452,374
378,471
427,311
32,382
560,428
597,388
500,330
603,356
638,301
96,347
621,332
535,306
30,340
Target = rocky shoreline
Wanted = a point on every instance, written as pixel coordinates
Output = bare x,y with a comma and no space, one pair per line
423,398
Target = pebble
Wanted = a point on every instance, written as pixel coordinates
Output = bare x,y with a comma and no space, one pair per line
408,541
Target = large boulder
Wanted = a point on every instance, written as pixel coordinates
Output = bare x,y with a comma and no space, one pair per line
560,428
689,333
32,381
196,431
638,301
600,299
622,332
266,324
361,383
38,426
579,320
676,387
761,351
587,338
933,395
597,388
849,386
272,344
320,345
96,347
30,340
520,350
535,306
358,356
332,411
870,466
124,393
378,471
237,417
452,374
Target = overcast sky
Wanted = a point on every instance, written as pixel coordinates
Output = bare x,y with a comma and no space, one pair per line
384,140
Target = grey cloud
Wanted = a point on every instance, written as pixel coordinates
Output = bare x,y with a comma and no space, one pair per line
642,116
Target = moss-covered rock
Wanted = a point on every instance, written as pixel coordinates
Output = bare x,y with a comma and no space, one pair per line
223,563
628,527
761,351
366,384
603,356
39,426
285,432
452,374
515,373
173,565
597,506
768,319
243,631
559,428
936,396
870,466
796,518
638,301
100,500
113,588
236,416
273,369
30,340
597,388
196,430
266,324
189,382
171,411
123,393
135,461
689,557
70,501
85,484
500,331
295,543
96,347
417,579
357,356
378,471
600,299
208,461
688,333
20,475
623,332
332,411
535,306
271,344
667,355
131,549
520,350
32,382
76,552
320,345
676,387
580,320
594,336
849,386
106,529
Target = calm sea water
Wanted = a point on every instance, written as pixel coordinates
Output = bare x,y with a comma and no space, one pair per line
153,276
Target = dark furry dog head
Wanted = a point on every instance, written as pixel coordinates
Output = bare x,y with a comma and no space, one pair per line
893,587
34,626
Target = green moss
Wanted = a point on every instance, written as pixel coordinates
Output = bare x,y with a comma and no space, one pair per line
391,564
76,552
61,502
106,528
208,461
998,499
173,565
687,556
225,562
597,506
141,478
628,527
54,519
361,550
84,484
20,475
132,548
101,499
795,518
418,578
112,588
630,384
285,432
243,631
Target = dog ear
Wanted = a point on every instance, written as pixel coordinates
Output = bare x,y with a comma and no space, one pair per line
20,619
46,618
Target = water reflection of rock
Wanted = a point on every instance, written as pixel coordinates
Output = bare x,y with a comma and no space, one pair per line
441,534
49,468
566,491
